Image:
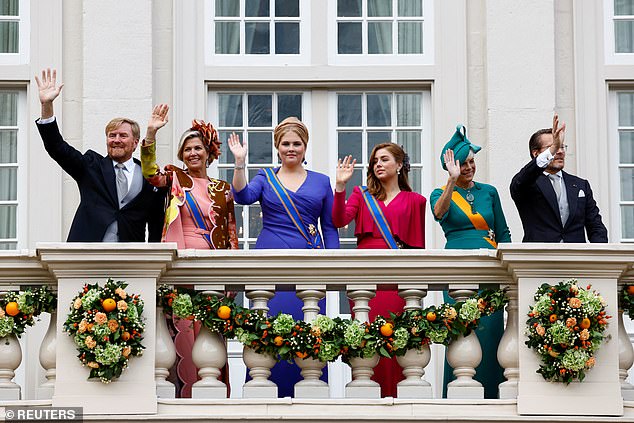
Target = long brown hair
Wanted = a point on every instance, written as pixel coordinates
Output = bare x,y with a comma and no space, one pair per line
374,184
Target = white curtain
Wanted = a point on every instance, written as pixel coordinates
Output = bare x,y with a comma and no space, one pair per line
624,36
8,108
227,8
379,8
410,37
408,109
624,7
7,222
410,8
227,38
8,145
379,37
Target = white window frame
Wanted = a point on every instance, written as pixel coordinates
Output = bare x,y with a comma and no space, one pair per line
22,179
23,19
426,58
362,162
616,231
611,56
212,108
242,59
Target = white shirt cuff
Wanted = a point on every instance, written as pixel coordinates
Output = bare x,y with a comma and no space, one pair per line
45,121
544,158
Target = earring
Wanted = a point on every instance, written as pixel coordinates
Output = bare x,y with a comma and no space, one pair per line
398,172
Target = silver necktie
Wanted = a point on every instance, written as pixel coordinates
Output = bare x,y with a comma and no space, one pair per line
562,201
122,182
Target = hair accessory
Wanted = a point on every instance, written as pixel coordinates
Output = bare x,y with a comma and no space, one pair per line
406,164
460,145
209,138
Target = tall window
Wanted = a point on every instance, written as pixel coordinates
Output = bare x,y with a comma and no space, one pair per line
379,28
256,29
626,163
365,119
8,168
624,26
14,31
253,116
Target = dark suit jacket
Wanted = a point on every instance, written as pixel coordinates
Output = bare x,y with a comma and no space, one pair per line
536,203
99,207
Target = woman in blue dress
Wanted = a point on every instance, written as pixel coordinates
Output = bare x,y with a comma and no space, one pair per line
295,202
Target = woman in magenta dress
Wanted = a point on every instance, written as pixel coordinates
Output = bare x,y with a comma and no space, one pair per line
199,215
310,193
404,212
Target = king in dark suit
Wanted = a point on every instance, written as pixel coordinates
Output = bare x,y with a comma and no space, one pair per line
116,201
554,206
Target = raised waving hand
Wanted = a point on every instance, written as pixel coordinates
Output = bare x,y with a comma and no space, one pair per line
345,170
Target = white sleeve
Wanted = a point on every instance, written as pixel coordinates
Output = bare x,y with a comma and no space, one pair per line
47,120
544,158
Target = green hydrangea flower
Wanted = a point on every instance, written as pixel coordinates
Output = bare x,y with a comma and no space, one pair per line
23,303
100,330
283,324
590,303
574,360
242,336
353,335
324,323
133,312
542,305
89,299
401,336
469,310
328,351
6,326
438,336
108,354
560,333
368,351
182,306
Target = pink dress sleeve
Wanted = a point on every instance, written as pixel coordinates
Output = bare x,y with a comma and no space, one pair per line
344,211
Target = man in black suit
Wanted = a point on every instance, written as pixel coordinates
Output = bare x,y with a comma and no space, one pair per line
116,201
554,206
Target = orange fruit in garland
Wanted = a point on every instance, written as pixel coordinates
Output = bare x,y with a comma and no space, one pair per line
278,341
553,318
12,308
585,323
109,305
431,316
125,336
387,329
224,312
630,289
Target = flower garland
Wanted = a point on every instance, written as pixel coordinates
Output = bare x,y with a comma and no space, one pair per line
326,339
626,300
566,327
107,327
17,309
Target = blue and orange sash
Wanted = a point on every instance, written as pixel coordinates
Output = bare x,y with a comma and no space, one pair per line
310,233
379,218
197,215
475,218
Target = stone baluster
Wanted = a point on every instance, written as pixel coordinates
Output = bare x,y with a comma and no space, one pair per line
361,385
311,386
414,361
48,350
165,357
508,350
626,352
209,354
10,359
259,365
464,355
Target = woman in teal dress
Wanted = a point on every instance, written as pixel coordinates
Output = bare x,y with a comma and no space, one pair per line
470,214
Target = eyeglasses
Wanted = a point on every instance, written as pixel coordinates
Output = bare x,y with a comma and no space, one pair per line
562,147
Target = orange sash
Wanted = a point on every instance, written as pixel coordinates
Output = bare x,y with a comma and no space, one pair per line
476,218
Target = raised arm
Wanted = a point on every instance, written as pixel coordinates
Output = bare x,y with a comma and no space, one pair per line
151,170
345,170
240,155
48,91
453,169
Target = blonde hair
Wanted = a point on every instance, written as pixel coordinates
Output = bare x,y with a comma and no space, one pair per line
117,122
290,124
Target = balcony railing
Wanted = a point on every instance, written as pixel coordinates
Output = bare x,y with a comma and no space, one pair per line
142,392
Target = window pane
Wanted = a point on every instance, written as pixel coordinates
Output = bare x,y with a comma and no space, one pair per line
7,221
260,113
410,38
379,109
624,36
239,211
287,8
410,141
379,37
8,146
375,138
255,220
415,179
226,156
624,7
227,8
347,8
8,108
627,184
408,109
256,7
9,37
230,110
287,38
8,245
256,36
410,7
9,7
627,221
227,38
349,109
8,184
626,109
626,147
260,150
349,38
289,105
350,144
379,8
226,174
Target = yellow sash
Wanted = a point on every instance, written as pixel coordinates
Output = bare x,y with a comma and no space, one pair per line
476,218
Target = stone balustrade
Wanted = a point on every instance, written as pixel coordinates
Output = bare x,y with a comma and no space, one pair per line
143,391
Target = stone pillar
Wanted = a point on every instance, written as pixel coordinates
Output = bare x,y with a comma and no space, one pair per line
508,350
165,357
47,359
311,386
